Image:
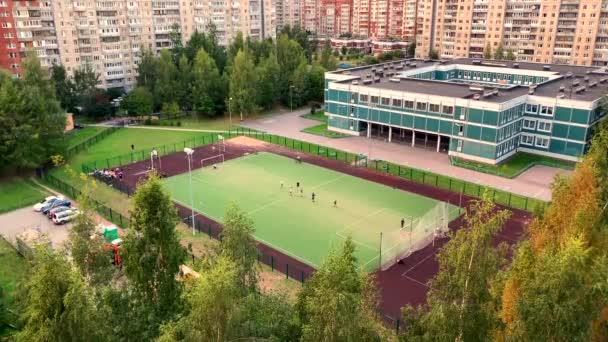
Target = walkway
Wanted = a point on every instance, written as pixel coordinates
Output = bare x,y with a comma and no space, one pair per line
533,183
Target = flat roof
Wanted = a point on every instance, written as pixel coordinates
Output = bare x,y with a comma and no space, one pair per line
566,76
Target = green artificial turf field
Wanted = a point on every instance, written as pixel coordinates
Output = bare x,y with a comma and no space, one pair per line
294,224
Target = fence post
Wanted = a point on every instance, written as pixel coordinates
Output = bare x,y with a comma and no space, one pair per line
397,327
510,195
272,263
111,217
287,271
526,204
302,277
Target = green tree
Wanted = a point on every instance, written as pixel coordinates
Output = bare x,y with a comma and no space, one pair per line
267,72
146,71
411,49
327,60
237,44
290,56
151,255
433,54
499,53
238,245
299,81
183,92
212,302
85,88
177,47
487,51
339,302
510,55
208,92
316,83
302,37
88,254
170,109
242,84
64,87
58,305
344,50
139,102
460,305
166,76
31,119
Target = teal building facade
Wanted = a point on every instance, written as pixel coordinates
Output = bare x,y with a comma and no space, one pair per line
485,112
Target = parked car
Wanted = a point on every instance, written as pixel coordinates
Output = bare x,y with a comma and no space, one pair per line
57,210
45,202
66,216
54,204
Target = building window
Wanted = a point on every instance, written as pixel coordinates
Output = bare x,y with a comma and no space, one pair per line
433,108
409,104
544,126
386,101
447,110
546,110
527,140
542,142
374,99
532,109
420,105
397,103
353,96
363,98
529,124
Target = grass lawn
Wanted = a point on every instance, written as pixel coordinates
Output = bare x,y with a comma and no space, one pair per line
17,193
515,165
297,226
77,136
323,131
116,144
13,270
318,115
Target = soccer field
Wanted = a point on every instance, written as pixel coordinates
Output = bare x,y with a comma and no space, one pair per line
294,224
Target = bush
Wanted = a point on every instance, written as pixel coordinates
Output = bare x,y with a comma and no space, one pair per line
148,121
179,123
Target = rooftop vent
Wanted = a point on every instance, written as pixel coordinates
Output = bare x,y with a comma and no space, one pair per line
562,88
355,82
603,80
515,65
399,67
580,89
395,80
586,78
476,97
476,62
569,74
407,63
476,88
561,96
588,72
347,73
367,82
531,90
546,67
373,69
495,92
377,79
592,84
426,60
412,65
575,82
369,75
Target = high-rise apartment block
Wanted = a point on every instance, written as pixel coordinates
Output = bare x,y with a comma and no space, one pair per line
542,31
111,35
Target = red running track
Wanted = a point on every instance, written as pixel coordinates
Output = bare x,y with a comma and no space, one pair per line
400,285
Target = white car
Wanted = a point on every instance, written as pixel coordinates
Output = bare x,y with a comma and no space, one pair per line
38,206
65,216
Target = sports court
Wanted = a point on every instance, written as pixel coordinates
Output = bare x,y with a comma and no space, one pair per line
290,222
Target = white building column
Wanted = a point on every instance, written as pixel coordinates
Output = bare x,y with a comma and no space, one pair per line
438,142
369,130
413,138
390,133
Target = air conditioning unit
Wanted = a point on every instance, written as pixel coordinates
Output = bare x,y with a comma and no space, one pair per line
461,116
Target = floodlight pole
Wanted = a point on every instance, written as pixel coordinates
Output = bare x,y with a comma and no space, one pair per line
152,160
189,153
230,112
380,254
155,154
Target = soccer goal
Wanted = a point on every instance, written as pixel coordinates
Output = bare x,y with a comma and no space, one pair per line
220,146
414,236
213,160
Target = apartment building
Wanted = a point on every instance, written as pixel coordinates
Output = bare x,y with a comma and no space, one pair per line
385,19
287,13
542,31
335,17
111,35
27,27
470,109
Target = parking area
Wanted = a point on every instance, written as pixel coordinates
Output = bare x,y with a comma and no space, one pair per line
17,221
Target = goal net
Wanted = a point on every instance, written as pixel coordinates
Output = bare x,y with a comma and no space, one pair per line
220,146
214,160
414,236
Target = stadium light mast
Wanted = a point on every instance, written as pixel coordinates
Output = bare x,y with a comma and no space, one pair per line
230,112
189,152
153,154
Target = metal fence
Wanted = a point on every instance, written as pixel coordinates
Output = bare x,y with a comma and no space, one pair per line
83,145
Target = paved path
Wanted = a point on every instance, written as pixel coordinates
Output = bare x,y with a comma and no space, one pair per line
532,183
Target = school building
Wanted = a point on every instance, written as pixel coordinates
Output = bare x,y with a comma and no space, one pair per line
474,109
